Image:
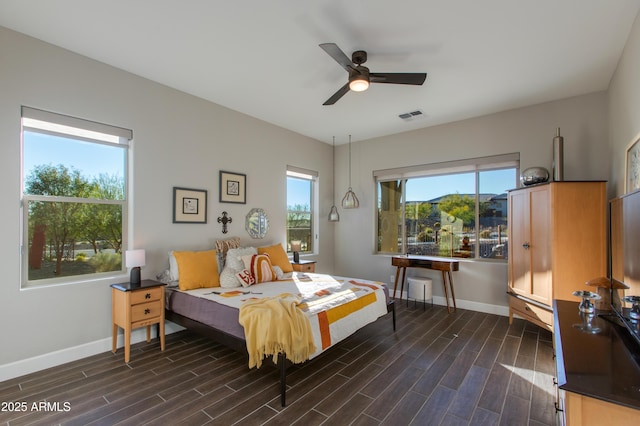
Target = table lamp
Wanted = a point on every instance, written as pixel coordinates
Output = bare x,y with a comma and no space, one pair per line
296,246
134,259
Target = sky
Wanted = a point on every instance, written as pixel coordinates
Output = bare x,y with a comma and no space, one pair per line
91,159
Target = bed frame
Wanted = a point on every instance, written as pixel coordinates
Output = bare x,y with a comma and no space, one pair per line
239,345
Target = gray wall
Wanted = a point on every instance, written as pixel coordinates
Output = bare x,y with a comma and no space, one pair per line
479,285
624,109
181,140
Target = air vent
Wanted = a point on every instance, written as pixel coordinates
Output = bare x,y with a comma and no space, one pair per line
411,115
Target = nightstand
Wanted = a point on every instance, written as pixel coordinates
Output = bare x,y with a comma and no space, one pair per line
304,266
134,306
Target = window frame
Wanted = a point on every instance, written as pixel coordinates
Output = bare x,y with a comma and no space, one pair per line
49,123
312,176
403,174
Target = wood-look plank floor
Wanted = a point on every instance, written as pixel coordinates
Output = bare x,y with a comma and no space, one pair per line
464,368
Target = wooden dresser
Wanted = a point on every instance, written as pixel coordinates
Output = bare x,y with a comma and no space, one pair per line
597,368
134,306
557,242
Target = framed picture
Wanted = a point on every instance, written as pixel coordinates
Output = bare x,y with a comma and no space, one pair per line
189,205
233,187
632,182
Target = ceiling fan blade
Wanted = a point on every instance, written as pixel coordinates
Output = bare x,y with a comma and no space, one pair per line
338,55
340,93
398,78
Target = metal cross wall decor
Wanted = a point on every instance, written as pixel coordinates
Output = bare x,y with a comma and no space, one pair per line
224,220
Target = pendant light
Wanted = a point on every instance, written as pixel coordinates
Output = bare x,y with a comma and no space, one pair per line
333,214
350,201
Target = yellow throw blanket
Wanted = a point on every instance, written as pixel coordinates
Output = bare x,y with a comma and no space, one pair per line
275,325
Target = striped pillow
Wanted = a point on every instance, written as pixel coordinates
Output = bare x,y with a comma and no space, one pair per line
260,267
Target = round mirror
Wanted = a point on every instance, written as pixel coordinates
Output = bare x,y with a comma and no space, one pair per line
257,223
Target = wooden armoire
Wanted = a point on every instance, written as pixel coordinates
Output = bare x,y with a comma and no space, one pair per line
557,242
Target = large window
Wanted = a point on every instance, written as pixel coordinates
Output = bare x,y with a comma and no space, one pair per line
74,202
453,209
300,210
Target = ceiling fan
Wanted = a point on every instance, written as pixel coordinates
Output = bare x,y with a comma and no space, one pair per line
359,75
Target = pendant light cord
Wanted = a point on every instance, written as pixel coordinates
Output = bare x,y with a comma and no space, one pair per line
349,161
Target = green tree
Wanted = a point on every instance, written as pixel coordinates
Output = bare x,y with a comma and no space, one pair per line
60,217
459,206
102,223
299,224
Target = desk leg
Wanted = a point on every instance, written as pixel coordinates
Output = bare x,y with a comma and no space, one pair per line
446,290
453,296
404,273
395,285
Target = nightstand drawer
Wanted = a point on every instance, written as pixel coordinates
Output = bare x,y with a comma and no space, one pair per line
145,311
304,266
146,295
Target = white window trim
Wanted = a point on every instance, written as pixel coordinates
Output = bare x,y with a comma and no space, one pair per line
40,121
302,173
478,164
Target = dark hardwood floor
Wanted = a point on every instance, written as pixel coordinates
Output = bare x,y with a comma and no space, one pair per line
437,368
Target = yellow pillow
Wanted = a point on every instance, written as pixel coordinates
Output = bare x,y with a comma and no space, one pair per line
278,257
197,269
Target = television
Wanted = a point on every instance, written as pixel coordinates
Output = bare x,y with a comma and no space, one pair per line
624,260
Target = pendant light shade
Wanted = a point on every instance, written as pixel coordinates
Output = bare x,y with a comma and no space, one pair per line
350,201
333,214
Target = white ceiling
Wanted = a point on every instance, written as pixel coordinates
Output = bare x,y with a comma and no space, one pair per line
261,57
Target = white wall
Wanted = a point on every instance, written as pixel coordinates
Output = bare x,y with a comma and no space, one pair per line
479,285
624,108
179,140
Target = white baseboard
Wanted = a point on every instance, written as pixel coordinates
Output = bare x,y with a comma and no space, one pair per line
468,304
52,359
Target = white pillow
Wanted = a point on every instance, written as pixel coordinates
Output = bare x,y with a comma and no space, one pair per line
173,267
228,278
234,257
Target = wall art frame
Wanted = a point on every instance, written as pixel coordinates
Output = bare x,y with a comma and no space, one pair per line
233,187
632,166
189,205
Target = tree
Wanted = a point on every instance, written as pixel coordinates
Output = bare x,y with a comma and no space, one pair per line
299,224
103,222
59,217
459,206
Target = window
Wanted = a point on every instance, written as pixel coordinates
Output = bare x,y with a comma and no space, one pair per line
301,218
74,197
453,209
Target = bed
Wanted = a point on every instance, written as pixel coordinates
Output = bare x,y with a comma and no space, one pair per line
334,308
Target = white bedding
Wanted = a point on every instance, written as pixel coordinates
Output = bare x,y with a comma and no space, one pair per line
336,306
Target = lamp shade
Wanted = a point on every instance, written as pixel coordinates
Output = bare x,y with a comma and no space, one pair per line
333,214
134,258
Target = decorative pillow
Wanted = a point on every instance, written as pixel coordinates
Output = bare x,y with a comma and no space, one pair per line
281,275
278,256
223,246
228,278
259,265
234,258
197,269
245,278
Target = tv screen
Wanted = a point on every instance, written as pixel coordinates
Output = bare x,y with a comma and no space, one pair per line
624,263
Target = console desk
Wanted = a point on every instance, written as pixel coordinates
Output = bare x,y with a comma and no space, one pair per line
443,264
598,369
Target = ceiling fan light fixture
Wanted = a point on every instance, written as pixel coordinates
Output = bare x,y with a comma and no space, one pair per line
359,83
